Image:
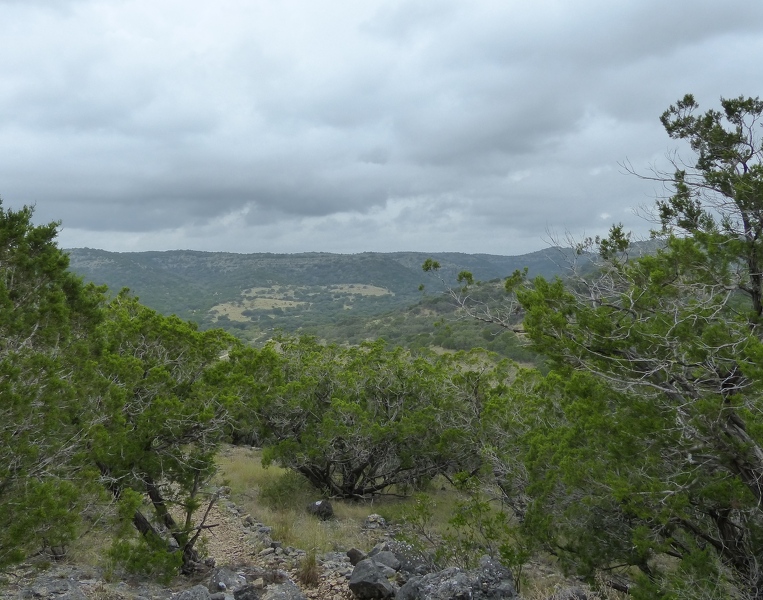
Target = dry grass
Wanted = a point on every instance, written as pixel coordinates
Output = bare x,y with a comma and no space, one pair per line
309,573
279,498
360,289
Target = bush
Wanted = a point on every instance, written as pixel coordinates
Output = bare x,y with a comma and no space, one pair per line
355,421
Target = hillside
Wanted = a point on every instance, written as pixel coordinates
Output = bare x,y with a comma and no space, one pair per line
256,294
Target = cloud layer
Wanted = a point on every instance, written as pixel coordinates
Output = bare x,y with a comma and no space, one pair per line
319,125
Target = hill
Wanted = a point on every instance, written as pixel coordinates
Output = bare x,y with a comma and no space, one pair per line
255,294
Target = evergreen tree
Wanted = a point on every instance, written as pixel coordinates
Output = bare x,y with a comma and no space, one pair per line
47,316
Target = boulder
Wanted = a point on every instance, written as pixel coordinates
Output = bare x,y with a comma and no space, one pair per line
321,509
490,581
225,579
494,578
375,521
248,592
368,581
412,561
60,589
386,558
283,591
197,592
356,556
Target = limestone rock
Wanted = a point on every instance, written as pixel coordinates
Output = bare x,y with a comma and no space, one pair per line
356,556
368,581
490,581
197,592
283,591
225,579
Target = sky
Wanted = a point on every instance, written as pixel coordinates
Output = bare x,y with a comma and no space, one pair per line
479,126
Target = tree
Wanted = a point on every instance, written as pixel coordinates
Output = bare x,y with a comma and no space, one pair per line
643,447
162,412
46,318
355,421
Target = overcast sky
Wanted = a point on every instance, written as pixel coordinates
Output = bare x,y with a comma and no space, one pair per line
350,126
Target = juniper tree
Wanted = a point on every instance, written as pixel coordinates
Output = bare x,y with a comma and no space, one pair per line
641,453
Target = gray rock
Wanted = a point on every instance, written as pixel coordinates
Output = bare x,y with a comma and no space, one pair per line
55,588
197,592
248,592
490,581
225,579
368,581
375,521
283,591
356,556
496,579
388,559
450,584
412,561
321,509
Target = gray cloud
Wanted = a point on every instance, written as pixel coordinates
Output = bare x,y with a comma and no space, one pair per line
383,125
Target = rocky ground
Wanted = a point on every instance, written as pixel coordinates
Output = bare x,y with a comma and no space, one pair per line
237,541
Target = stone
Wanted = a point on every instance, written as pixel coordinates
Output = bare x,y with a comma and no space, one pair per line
321,509
496,578
60,589
197,592
283,591
449,584
388,559
574,593
356,556
490,581
225,579
369,582
375,521
248,592
412,560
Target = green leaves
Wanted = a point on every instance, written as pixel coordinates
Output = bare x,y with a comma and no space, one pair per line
46,318
163,411
356,421
643,447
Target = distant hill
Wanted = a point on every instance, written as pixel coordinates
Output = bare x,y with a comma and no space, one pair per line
253,294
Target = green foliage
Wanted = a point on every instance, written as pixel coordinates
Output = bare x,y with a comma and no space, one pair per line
145,554
291,490
46,318
161,415
641,453
482,527
430,265
98,395
355,421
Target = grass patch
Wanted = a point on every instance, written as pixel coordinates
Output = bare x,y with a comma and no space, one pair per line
279,497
